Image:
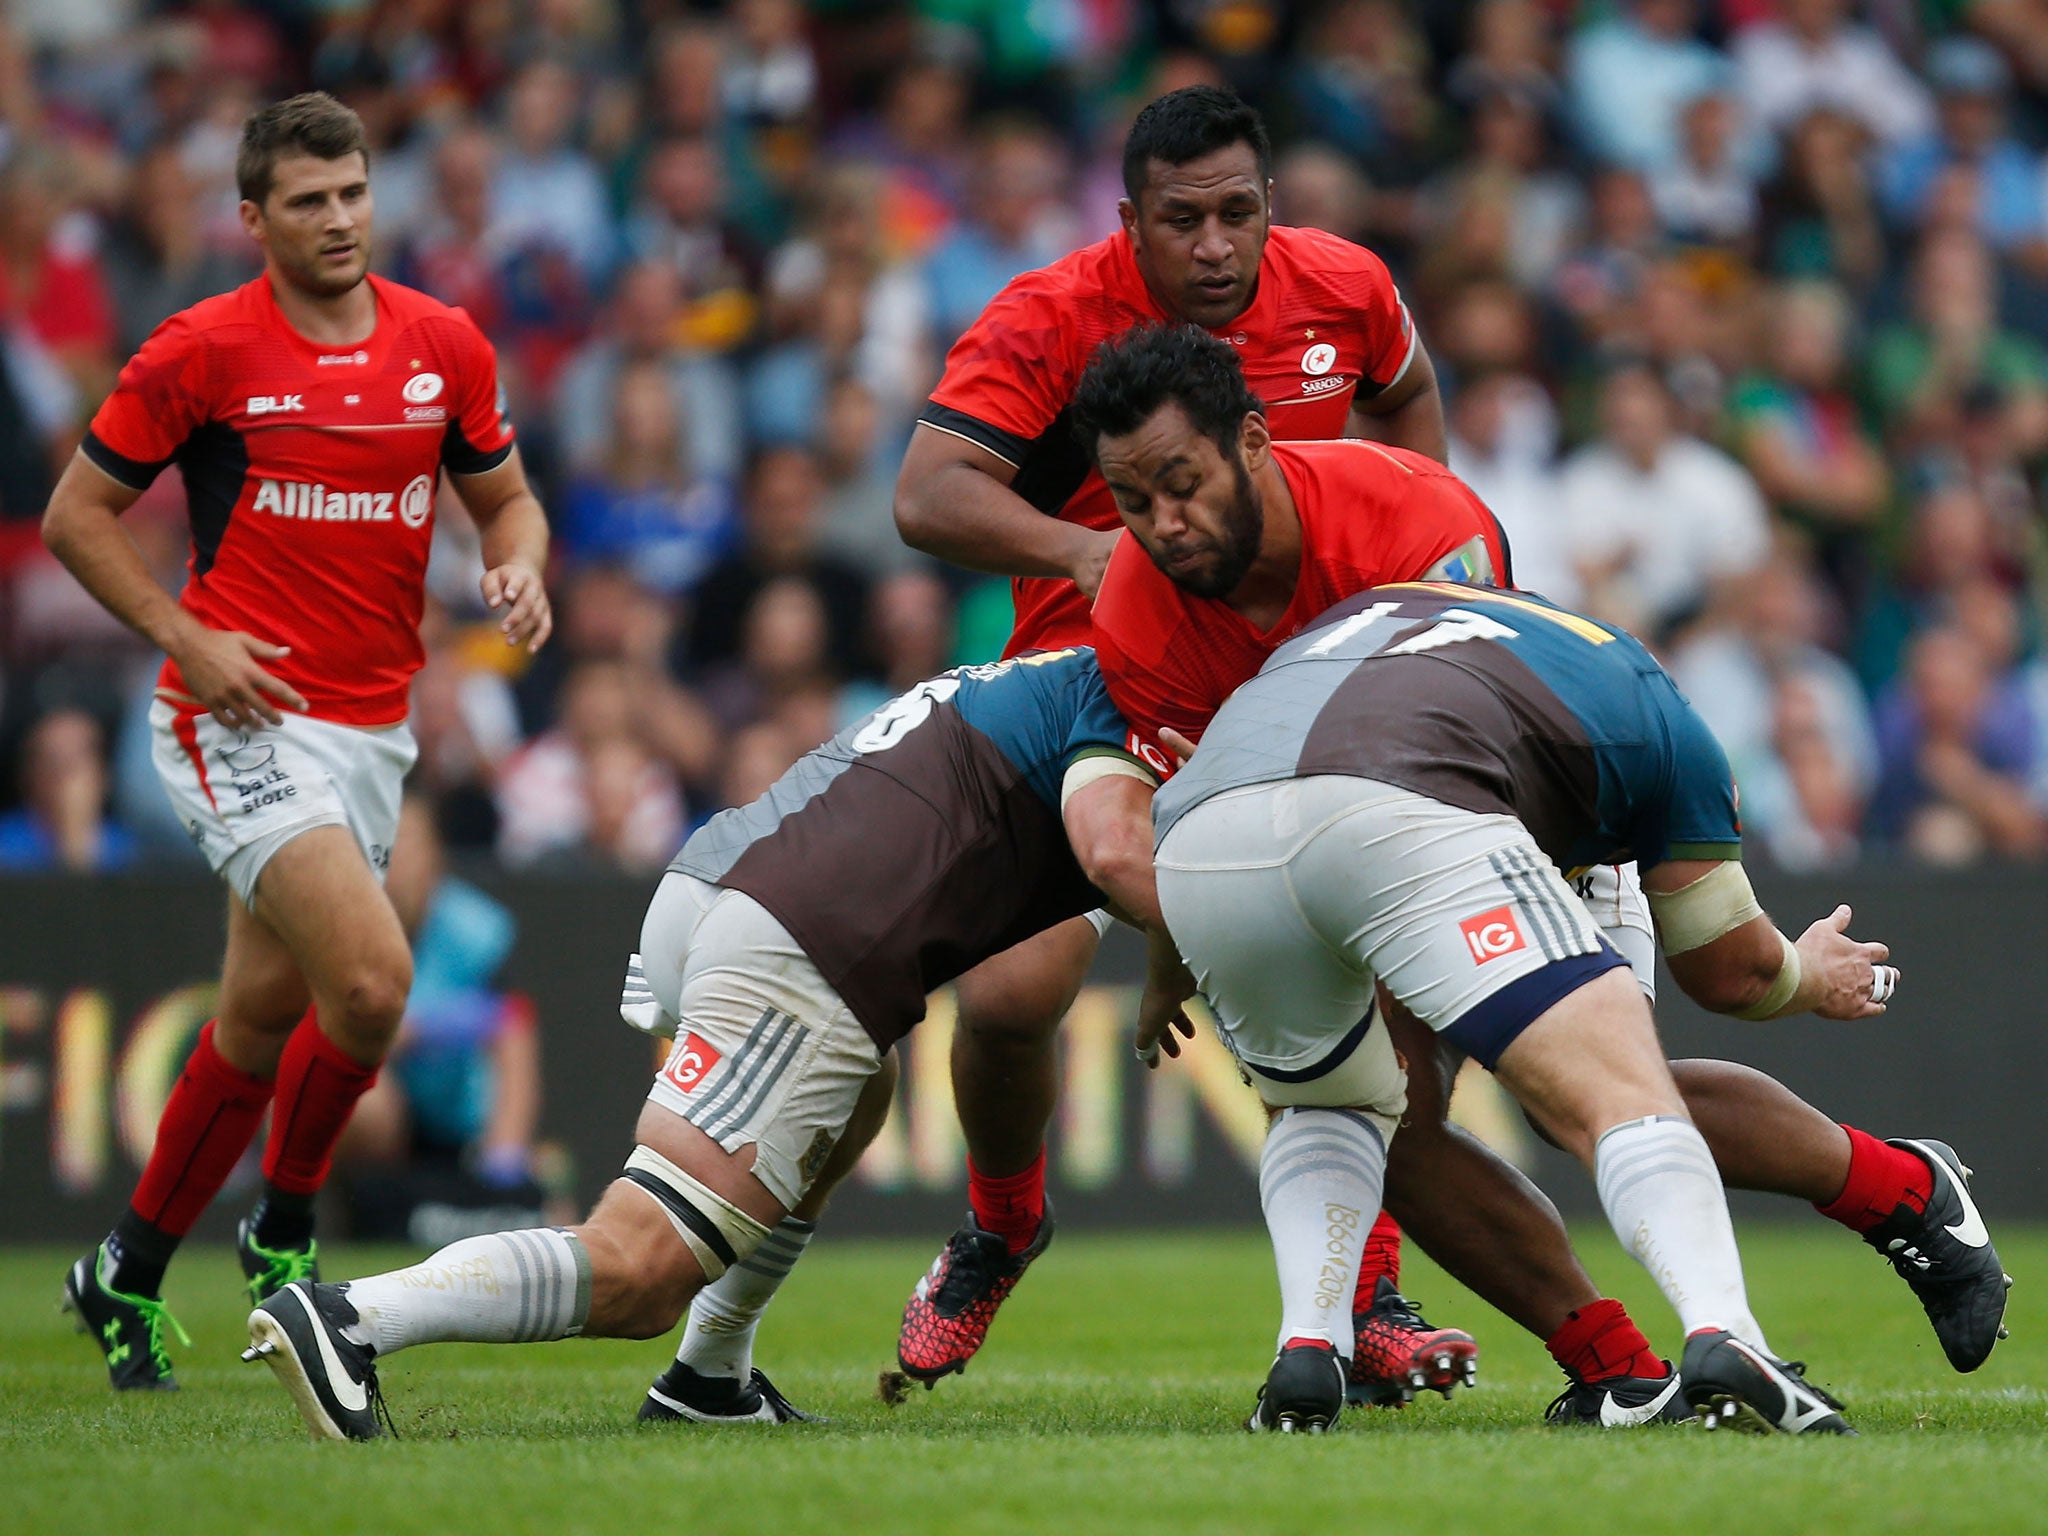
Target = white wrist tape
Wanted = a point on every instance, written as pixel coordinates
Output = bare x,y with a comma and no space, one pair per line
1773,1002
1717,903
1103,765
718,1232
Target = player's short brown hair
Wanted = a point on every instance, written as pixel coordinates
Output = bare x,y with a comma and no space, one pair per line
312,123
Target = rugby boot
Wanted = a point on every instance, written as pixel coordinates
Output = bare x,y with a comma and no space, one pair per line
128,1329
1304,1391
301,1334
1396,1354
1731,1383
270,1270
1621,1402
683,1393
947,1317
1944,1253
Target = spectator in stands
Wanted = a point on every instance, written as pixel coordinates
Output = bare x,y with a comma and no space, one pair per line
462,1085
1706,195
156,258
50,278
1013,223
679,218
910,635
643,324
456,253
770,77
1972,81
1819,213
1789,713
1511,53
1317,187
1958,756
1598,284
1921,372
546,195
1798,429
1952,546
1511,154
546,806
783,655
782,528
1630,76
1361,82
62,822
1656,519
1811,56
643,505
1503,446
858,461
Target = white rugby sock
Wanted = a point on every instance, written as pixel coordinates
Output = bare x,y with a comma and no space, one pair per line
1663,1194
1320,1177
506,1288
718,1335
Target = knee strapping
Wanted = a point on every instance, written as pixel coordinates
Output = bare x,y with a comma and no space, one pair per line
718,1232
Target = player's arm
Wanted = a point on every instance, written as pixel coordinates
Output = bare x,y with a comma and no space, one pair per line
515,545
1727,955
223,669
1107,806
1409,413
953,501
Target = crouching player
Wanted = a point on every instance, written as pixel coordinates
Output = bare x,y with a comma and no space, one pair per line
792,943
1392,799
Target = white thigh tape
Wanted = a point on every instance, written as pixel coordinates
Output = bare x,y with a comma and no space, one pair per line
718,1232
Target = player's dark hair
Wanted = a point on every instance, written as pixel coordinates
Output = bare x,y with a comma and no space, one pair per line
312,123
1133,375
1187,124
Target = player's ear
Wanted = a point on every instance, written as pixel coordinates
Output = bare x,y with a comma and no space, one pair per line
1127,214
1255,440
252,219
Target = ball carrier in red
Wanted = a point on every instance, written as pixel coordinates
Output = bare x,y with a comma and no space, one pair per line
311,413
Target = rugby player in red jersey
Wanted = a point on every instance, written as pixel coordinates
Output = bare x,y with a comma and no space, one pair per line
1237,543
311,412
994,480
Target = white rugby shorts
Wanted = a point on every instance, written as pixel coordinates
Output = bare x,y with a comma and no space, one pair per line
243,795
1290,899
766,1051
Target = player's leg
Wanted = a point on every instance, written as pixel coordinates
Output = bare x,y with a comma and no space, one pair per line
1907,1199
1005,1086
713,1378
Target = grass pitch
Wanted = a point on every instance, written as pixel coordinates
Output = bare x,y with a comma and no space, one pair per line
1109,1399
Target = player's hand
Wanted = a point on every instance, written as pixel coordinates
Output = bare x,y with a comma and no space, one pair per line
223,670
518,589
1852,978
1091,559
1177,744
1167,986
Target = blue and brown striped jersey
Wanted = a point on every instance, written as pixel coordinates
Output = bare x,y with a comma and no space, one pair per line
1496,702
925,837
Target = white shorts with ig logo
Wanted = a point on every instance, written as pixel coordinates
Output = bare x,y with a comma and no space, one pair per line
243,795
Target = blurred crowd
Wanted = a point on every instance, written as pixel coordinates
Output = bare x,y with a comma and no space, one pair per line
1740,308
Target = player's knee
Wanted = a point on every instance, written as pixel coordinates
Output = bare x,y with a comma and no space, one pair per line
1008,1019
372,997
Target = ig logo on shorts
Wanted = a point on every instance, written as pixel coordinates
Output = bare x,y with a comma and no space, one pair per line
692,1058
1492,934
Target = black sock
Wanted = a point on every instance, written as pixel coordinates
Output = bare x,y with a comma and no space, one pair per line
140,1252
282,1220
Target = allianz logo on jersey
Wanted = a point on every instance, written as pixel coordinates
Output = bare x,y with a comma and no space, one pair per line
316,503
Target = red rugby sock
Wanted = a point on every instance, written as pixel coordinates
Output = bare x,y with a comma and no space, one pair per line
208,1122
1012,1206
317,1088
1601,1341
1382,1256
1881,1179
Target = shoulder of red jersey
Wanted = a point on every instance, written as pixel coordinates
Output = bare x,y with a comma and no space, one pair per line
1014,370
1324,273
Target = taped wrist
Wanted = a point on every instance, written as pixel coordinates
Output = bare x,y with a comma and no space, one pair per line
718,1232
1781,991
1717,903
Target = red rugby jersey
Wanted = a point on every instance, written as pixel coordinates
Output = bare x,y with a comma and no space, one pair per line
1325,327
310,474
1369,515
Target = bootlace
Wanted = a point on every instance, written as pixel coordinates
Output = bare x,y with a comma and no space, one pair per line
281,1267
154,1315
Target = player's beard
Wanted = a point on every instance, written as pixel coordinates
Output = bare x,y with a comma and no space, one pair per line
1244,530
309,278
